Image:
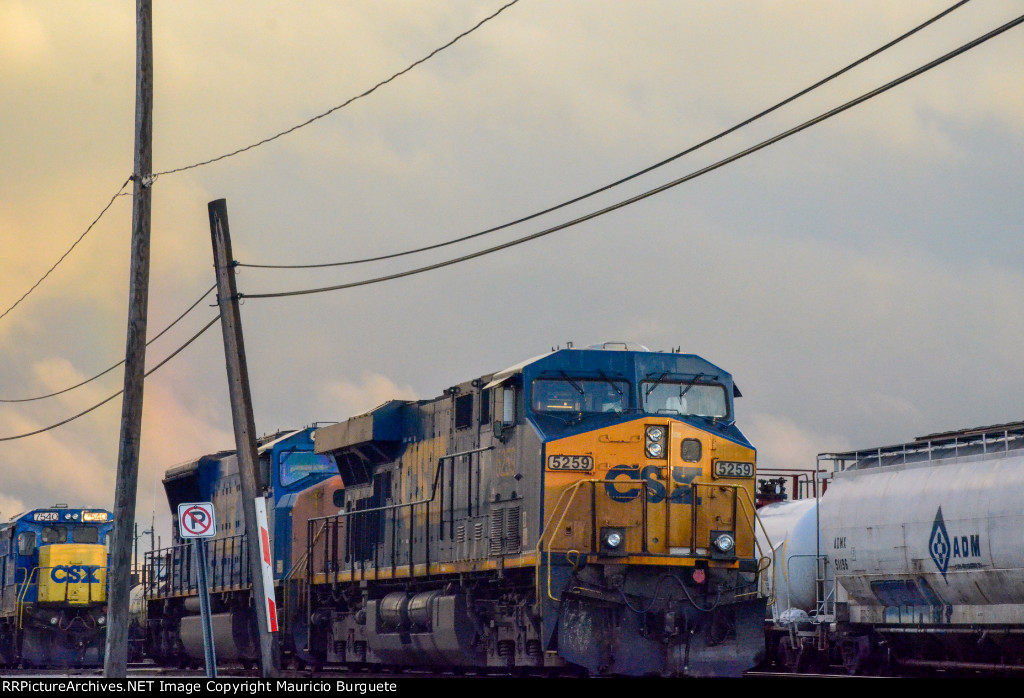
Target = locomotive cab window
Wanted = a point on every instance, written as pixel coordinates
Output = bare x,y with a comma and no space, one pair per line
464,411
26,542
55,534
684,398
297,465
86,534
578,395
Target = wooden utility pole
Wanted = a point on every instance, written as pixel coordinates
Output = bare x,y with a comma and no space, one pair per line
115,663
241,416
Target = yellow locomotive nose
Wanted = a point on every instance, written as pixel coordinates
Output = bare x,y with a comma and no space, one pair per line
71,573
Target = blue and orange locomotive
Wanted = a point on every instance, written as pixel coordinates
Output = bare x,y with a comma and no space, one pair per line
53,587
587,510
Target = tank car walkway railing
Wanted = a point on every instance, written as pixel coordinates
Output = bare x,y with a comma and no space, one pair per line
345,541
742,503
173,571
927,449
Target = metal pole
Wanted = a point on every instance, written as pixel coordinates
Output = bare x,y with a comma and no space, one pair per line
115,662
241,416
135,551
204,608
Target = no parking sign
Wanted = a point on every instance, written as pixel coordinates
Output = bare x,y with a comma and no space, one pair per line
196,520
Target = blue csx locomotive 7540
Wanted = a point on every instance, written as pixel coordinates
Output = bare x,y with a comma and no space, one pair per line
53,587
587,510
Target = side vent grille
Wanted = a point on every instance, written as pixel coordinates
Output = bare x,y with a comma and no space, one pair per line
497,530
513,530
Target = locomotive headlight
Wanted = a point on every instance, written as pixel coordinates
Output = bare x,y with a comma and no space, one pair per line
654,441
101,620
53,620
655,434
725,543
613,541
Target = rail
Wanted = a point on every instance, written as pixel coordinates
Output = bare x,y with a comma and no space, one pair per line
355,524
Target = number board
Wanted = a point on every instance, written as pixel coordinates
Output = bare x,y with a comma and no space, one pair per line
723,468
47,516
578,463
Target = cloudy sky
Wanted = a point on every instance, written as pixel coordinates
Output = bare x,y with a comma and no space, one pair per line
862,280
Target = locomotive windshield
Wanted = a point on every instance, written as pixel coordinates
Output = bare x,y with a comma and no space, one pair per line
296,465
684,398
569,395
86,534
55,534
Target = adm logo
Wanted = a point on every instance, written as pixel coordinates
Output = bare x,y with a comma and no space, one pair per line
945,549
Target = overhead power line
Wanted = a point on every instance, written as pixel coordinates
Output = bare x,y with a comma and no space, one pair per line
657,190
75,244
119,363
100,404
628,178
344,104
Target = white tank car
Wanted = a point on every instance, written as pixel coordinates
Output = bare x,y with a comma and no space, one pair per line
930,533
795,554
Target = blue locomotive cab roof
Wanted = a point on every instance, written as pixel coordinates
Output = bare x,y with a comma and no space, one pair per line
574,390
63,515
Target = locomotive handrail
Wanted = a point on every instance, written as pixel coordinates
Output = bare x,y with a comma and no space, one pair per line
178,567
433,491
24,592
574,488
757,544
438,478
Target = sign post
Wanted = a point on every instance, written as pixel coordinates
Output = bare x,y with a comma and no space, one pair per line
196,521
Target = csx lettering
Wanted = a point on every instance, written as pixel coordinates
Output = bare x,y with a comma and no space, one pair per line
75,574
650,476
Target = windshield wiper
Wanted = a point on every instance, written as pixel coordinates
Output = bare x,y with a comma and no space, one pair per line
690,385
570,381
657,381
610,382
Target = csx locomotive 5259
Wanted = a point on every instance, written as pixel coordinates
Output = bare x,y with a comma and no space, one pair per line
590,509
53,587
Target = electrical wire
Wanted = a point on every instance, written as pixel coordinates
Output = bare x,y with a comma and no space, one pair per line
100,404
103,373
75,244
347,102
639,173
657,190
